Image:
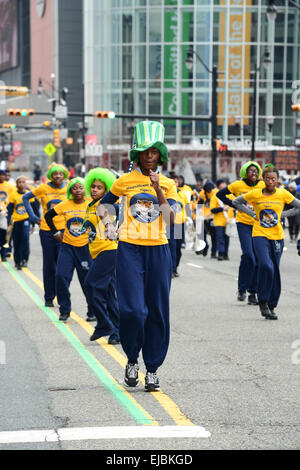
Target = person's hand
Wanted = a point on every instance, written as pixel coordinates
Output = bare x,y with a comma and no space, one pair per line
32,230
58,236
154,177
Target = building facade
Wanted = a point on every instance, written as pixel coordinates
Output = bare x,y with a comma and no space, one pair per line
135,63
44,53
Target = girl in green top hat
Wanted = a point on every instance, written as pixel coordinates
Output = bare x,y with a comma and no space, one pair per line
143,260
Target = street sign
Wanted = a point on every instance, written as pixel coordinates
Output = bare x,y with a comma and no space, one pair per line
94,150
50,149
61,112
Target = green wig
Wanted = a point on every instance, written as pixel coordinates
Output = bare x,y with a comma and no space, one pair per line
243,172
99,174
57,167
71,184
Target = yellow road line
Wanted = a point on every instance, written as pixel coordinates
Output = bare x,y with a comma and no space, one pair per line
164,400
150,421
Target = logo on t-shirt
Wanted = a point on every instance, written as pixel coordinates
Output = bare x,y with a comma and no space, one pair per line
20,209
76,227
51,204
90,228
268,218
144,208
3,196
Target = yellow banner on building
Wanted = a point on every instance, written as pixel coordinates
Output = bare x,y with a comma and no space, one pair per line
234,61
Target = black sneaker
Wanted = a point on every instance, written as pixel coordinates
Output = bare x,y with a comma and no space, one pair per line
18,267
272,315
264,309
64,316
252,299
112,340
49,303
24,264
91,318
226,258
151,382
131,375
213,256
241,295
220,257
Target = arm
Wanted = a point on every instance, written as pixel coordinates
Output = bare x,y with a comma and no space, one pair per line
295,204
217,210
49,216
240,204
165,208
222,196
10,209
26,198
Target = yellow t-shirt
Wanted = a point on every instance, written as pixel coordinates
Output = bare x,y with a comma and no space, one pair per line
75,233
143,223
19,211
206,205
179,207
238,188
268,209
49,198
5,190
220,219
95,230
188,191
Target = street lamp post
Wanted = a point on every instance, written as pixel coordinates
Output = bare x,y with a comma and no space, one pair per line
266,62
214,106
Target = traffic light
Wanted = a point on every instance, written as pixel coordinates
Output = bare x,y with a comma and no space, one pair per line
9,126
20,112
56,134
295,107
105,114
46,123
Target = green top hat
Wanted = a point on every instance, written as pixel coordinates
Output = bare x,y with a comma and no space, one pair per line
149,134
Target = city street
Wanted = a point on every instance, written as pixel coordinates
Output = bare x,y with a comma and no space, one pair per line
230,380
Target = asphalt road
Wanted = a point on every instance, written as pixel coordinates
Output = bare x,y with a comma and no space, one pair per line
230,375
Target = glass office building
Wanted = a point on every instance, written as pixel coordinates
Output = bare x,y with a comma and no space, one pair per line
135,63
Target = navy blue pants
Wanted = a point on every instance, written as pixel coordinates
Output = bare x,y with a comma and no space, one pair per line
71,258
143,289
21,236
268,254
222,240
51,249
100,289
248,265
175,237
3,251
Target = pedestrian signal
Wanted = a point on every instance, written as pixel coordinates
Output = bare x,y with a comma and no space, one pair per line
105,114
69,141
20,112
295,107
218,143
56,134
9,126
